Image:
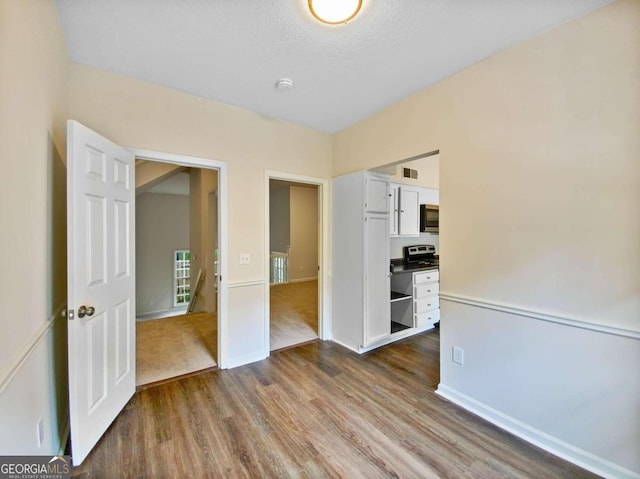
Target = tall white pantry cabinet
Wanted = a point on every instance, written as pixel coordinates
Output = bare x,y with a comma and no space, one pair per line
361,275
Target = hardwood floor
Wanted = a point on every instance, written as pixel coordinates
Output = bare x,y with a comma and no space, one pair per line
315,411
293,313
174,346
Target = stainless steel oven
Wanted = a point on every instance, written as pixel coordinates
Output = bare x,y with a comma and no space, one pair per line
429,219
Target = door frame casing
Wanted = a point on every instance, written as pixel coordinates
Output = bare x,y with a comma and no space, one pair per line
324,251
222,167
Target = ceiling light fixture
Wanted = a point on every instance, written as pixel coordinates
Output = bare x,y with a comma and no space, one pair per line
334,12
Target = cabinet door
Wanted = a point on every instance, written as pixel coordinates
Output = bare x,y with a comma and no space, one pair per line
377,195
409,212
393,210
377,314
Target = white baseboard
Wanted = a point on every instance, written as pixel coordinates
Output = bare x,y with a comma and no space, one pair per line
246,359
163,313
355,350
396,337
303,280
541,439
406,333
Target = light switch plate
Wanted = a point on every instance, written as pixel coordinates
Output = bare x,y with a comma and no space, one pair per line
458,355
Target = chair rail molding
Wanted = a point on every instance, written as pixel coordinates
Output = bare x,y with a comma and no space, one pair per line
542,316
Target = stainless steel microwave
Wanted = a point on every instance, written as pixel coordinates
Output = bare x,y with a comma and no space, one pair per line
429,219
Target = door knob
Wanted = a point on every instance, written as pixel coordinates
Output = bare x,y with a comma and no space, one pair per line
86,311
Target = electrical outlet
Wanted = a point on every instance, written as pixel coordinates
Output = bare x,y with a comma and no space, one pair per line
458,355
245,258
40,432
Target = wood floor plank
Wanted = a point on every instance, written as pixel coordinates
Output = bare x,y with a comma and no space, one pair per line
315,411
293,313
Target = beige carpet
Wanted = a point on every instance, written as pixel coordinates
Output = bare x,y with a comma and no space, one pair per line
293,313
170,347
174,346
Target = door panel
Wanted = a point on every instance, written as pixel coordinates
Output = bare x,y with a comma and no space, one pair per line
124,327
377,308
97,377
377,195
409,212
101,278
121,238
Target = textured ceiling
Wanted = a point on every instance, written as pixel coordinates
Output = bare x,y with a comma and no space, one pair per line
233,51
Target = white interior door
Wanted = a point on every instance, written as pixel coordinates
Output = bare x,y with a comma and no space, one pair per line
101,284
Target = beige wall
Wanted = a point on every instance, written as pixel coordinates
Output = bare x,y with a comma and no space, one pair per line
539,193
134,113
162,226
33,75
544,136
428,172
137,114
303,260
32,148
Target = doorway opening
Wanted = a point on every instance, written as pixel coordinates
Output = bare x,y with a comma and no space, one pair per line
293,262
313,290
414,297
177,251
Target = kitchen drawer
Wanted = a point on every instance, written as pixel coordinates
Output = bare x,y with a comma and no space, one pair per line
422,305
430,317
426,276
426,289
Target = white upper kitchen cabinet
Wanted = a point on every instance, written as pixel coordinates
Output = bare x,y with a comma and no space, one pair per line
409,215
404,210
361,313
377,194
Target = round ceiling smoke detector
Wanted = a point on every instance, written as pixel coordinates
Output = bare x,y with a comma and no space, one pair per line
284,84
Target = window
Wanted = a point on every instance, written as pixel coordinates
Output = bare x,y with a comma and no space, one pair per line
181,277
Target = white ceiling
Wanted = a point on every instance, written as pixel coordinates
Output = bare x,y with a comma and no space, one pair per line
233,51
